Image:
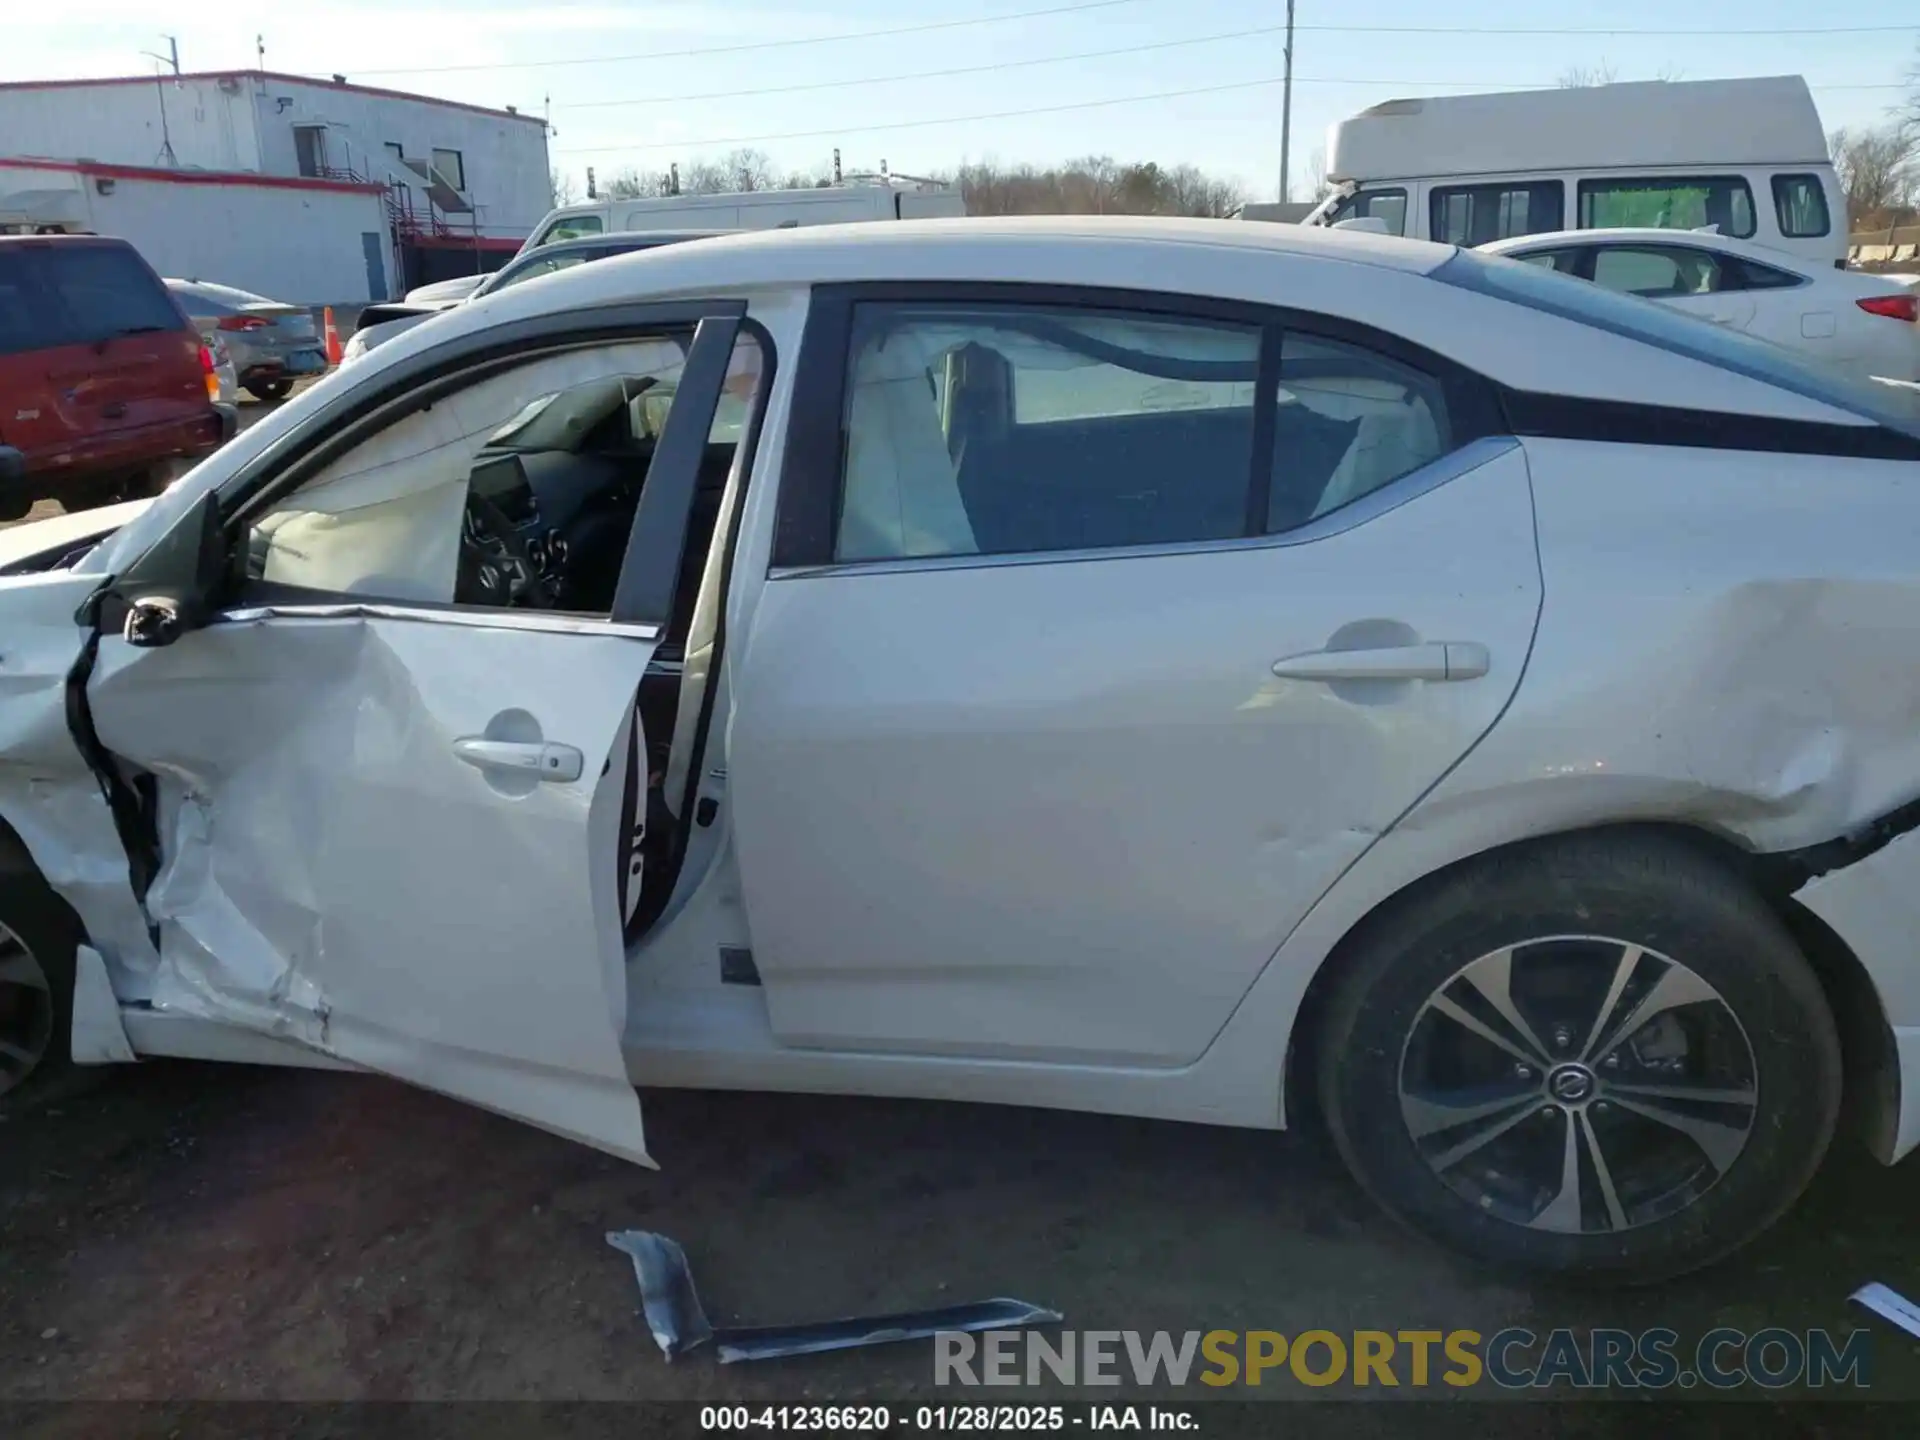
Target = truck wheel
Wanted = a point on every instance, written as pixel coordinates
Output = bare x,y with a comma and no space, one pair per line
1598,1058
38,934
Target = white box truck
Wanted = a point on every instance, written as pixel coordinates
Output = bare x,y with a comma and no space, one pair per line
1748,157
750,210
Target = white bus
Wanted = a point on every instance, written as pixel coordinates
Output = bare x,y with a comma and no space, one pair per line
1747,157
749,210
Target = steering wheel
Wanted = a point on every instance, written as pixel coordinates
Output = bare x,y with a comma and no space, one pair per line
495,566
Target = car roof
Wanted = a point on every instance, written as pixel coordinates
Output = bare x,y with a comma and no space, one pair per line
616,240
1136,252
1642,235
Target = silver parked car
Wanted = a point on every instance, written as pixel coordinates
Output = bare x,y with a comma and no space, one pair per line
380,323
272,344
1217,672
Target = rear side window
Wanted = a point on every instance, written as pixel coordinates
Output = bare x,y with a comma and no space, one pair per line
1476,214
1016,429
1567,262
104,292
1667,329
1658,272
1347,422
989,431
1723,201
1800,205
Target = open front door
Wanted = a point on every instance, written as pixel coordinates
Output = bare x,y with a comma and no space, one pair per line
390,837
391,830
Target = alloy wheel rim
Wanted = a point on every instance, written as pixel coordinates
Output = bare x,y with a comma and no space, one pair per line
1578,1084
26,1011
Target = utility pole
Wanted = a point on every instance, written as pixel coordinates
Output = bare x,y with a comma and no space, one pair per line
1287,104
172,57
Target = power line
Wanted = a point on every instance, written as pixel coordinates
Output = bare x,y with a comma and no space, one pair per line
926,27
925,74
918,29
862,129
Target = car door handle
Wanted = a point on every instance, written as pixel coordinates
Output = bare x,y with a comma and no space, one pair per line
1436,660
558,763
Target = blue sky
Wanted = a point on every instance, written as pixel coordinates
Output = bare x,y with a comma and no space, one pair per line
613,112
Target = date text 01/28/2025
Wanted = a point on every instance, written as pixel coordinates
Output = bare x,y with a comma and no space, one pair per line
963,1418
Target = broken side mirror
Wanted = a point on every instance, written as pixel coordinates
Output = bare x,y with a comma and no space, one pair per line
174,586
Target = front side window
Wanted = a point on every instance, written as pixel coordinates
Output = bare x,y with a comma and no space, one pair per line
1389,207
1476,214
1008,430
516,491
1722,201
1800,205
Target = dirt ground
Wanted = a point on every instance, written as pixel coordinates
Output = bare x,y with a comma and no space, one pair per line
175,1231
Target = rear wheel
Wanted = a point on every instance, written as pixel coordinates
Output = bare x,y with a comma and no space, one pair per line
37,939
1598,1058
269,390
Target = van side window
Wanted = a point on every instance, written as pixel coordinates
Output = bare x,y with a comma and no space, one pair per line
570,227
1475,214
1689,203
1389,207
1800,204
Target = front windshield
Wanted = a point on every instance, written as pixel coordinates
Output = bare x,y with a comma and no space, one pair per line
1652,323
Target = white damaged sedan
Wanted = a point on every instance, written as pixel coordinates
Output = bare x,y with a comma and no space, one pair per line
1192,669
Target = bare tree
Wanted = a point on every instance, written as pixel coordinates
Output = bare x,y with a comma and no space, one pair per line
1318,187
1094,185
1579,77
632,184
1879,168
560,190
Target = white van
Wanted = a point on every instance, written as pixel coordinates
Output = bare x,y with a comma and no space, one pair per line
748,210
1747,157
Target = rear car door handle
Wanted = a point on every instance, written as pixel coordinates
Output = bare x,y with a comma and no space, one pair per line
561,764
1436,660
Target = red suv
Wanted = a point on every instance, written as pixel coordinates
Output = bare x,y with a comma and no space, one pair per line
105,387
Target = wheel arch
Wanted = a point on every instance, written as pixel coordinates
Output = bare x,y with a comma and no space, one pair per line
1870,1105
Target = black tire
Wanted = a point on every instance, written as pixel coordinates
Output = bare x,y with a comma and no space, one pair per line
1644,889
38,924
269,390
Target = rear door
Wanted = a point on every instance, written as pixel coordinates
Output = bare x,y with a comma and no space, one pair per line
1102,634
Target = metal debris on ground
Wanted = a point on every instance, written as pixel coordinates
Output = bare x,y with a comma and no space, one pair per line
679,1324
1889,1304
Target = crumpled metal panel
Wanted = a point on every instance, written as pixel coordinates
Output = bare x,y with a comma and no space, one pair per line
47,794
334,874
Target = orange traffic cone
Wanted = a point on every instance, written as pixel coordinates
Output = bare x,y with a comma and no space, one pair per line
334,348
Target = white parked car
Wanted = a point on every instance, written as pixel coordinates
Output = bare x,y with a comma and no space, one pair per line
1190,669
1863,326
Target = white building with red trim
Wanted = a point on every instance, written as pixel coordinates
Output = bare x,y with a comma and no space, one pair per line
307,190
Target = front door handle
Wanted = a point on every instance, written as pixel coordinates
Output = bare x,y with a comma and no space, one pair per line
1435,660
543,759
